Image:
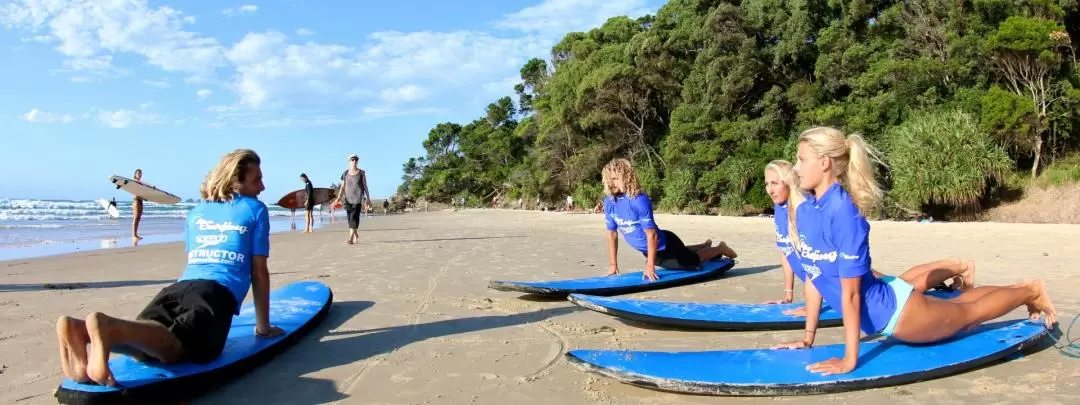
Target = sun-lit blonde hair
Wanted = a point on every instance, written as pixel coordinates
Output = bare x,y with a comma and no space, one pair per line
852,163
621,172
787,175
224,180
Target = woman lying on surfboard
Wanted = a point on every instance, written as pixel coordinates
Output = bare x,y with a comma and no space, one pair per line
782,186
834,252
629,211
228,241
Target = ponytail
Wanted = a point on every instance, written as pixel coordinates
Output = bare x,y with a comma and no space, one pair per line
852,163
859,178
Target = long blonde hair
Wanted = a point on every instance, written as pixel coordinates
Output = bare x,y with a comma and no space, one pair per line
622,170
224,180
787,174
852,163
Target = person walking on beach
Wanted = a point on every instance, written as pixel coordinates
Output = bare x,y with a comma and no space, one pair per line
309,203
354,190
228,242
136,210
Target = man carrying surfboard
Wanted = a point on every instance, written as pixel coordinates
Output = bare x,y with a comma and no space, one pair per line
309,203
228,242
629,211
354,191
136,210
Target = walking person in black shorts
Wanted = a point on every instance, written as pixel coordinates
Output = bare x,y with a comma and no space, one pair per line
354,191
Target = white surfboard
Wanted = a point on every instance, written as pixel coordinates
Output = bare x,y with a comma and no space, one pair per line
111,209
144,190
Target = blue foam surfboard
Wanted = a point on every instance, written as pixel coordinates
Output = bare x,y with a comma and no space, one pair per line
294,307
713,316
618,284
767,372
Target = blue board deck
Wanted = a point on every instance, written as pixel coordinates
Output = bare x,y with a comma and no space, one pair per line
622,283
713,316
767,372
295,308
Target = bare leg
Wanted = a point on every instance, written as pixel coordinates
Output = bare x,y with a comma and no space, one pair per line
697,247
926,276
148,337
709,253
929,320
137,208
72,338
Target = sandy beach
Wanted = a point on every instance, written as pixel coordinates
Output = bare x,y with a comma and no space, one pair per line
413,321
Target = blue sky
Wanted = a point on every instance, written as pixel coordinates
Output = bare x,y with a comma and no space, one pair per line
96,88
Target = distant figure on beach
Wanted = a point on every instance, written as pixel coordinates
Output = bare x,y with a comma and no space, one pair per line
630,212
136,210
309,203
385,206
354,190
569,203
228,241
112,202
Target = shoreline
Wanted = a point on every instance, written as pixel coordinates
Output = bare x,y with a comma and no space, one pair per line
9,253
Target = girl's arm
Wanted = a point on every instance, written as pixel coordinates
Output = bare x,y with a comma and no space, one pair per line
789,282
813,310
652,238
851,304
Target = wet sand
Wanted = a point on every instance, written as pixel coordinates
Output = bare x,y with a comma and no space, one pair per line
414,323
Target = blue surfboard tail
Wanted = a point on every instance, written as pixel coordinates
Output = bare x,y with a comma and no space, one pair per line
209,376
624,283
712,316
765,372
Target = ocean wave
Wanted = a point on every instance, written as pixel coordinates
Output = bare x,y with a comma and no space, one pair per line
29,210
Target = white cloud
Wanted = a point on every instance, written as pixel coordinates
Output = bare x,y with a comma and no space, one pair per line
268,71
117,119
157,83
88,33
244,9
80,79
124,118
558,17
404,94
37,116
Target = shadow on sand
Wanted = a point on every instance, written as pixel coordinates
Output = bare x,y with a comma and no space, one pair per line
74,286
284,379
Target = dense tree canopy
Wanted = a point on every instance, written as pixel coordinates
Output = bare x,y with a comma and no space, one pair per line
704,93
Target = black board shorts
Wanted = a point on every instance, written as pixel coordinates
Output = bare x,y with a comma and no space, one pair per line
352,212
198,312
676,256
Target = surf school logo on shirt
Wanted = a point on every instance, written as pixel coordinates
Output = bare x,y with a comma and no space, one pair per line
784,243
206,225
808,252
626,225
206,241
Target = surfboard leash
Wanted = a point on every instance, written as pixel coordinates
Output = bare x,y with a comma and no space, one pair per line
1071,347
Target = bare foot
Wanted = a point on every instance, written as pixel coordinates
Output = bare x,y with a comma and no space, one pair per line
97,368
967,277
727,251
72,338
1041,304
